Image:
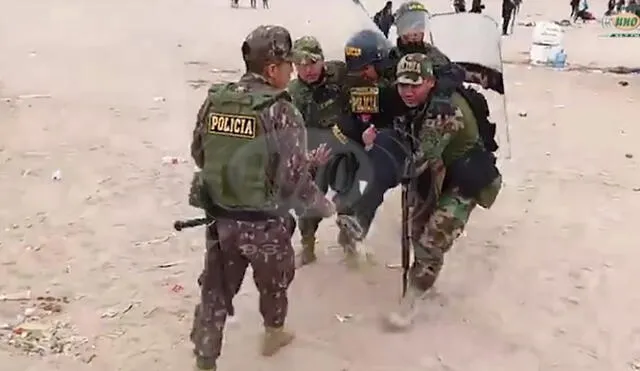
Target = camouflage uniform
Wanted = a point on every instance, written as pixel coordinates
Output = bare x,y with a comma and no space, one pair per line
234,243
454,174
321,104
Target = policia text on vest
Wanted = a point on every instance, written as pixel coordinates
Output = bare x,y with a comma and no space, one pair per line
238,126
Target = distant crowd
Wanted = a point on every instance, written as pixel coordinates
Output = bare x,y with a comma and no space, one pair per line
385,18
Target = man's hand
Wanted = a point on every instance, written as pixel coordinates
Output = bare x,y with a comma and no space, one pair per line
321,155
441,107
369,136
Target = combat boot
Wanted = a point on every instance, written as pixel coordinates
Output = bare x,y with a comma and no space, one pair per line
195,328
348,244
308,254
274,339
402,318
205,363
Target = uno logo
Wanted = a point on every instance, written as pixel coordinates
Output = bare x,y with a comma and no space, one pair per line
624,22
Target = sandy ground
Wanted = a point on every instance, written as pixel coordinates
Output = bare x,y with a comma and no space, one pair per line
544,281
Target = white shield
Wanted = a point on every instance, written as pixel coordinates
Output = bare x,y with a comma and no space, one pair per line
468,38
332,22
474,41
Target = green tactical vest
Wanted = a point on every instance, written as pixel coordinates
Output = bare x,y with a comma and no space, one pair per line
235,149
320,104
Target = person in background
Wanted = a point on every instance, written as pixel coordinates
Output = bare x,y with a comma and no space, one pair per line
633,7
611,5
574,9
583,12
384,18
508,8
476,6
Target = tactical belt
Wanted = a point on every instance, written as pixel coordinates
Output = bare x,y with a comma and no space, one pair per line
216,211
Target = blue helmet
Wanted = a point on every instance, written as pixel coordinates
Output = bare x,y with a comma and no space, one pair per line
366,47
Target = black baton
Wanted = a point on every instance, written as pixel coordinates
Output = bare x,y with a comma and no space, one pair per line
179,225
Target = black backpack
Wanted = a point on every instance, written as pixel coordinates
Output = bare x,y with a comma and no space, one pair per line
480,107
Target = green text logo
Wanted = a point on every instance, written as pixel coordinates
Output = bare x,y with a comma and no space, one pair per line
625,24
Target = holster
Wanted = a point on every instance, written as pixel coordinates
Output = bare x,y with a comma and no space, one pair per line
472,173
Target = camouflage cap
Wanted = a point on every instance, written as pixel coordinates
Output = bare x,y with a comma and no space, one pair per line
267,44
307,48
411,16
413,69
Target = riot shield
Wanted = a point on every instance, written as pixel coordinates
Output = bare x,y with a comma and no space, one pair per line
468,38
332,22
473,41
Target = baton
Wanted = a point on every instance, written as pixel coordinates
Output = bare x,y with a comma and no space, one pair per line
179,225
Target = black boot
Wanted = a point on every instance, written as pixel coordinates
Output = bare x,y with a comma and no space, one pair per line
206,363
195,335
308,227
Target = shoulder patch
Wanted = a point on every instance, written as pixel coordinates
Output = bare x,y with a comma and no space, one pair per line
238,126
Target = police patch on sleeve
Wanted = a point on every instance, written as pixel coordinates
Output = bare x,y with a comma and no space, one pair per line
238,126
364,100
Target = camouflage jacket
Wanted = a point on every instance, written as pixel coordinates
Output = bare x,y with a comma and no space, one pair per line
446,140
322,102
285,135
440,143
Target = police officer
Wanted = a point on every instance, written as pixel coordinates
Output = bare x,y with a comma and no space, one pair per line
323,94
374,103
317,93
370,102
411,24
454,173
250,143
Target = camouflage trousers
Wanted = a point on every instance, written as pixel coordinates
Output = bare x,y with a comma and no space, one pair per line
433,234
309,224
231,247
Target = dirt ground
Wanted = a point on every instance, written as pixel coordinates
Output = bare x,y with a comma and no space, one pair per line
101,95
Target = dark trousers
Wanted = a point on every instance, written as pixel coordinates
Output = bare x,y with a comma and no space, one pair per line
388,157
574,11
507,13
